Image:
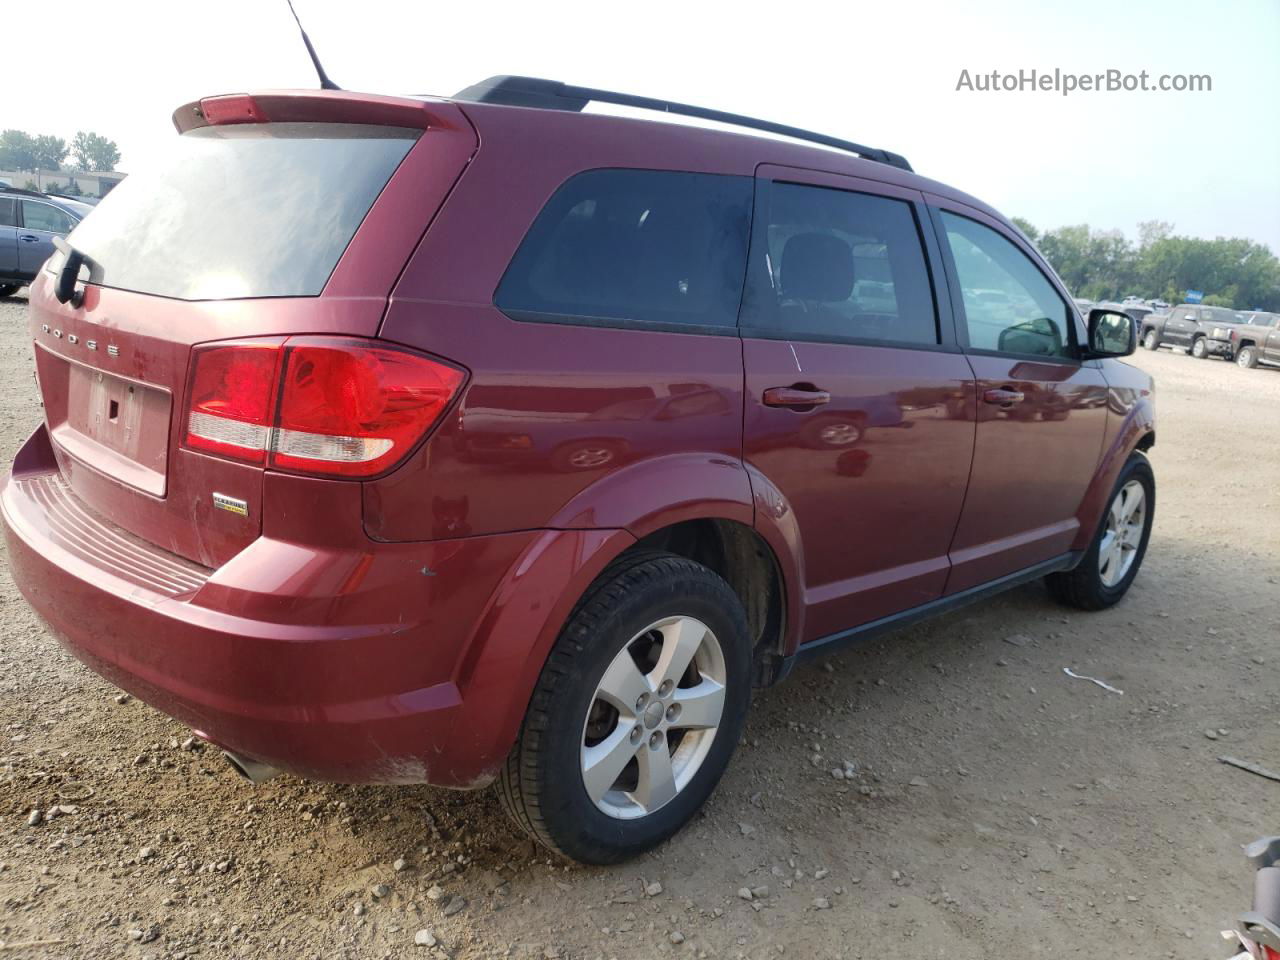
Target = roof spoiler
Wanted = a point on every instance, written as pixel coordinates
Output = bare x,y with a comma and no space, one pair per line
553,95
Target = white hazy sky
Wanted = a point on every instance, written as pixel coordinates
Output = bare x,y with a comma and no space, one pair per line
877,73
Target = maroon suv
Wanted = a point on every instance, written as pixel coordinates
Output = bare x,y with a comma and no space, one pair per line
450,440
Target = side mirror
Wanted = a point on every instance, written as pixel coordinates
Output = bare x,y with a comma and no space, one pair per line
1111,334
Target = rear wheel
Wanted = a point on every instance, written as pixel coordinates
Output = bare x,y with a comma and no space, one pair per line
8,289
1150,340
1114,557
636,713
1199,348
1247,357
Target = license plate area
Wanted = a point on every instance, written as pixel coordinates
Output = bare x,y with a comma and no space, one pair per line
113,424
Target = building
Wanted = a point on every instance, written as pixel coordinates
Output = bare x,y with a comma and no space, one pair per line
55,181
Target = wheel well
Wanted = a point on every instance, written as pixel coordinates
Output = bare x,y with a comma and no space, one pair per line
1247,343
742,557
1147,442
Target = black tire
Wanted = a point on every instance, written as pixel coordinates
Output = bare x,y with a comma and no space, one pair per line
541,784
8,289
1247,357
1200,348
1082,587
1150,340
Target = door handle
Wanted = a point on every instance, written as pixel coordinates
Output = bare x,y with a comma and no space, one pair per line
1003,397
28,238
797,396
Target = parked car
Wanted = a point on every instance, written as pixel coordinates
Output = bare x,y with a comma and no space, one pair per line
1255,341
256,501
1134,308
1203,331
28,223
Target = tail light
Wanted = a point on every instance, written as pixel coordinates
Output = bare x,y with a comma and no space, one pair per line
323,405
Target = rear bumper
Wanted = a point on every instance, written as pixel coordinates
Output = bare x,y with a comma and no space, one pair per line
337,662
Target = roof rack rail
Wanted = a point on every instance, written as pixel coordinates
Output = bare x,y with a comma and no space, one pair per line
24,192
554,95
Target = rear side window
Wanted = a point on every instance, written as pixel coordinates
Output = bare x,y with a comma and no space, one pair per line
44,216
246,210
839,265
7,217
647,246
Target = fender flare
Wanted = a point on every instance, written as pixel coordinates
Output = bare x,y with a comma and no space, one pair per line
525,615
1138,422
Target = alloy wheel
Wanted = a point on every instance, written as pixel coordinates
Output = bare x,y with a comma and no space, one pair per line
1126,522
653,718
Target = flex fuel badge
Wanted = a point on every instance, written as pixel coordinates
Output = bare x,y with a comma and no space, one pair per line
230,504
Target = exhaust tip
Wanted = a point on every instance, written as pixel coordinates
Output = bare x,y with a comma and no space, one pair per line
251,770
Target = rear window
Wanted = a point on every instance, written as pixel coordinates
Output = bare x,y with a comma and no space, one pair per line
247,210
646,246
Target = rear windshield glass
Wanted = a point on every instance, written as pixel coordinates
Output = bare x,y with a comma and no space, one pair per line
248,210
647,246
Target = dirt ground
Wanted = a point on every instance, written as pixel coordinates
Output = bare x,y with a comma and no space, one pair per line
1001,809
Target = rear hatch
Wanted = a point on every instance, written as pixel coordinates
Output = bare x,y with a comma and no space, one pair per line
271,216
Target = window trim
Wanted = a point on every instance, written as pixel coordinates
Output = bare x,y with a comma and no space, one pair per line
629,323
769,174
937,206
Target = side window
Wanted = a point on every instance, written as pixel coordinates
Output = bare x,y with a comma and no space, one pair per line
1009,305
7,216
42,216
634,245
839,265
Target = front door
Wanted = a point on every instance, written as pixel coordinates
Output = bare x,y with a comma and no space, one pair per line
1270,345
858,403
1181,325
1041,412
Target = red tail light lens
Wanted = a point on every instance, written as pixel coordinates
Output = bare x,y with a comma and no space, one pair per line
232,392
324,405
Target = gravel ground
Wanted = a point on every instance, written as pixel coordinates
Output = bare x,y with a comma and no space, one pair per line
994,807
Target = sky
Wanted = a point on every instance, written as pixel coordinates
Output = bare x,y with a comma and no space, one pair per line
878,73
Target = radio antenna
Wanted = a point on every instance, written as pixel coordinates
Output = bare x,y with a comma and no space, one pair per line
325,82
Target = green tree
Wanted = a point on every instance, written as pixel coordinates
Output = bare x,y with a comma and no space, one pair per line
48,151
17,151
52,186
1103,264
93,152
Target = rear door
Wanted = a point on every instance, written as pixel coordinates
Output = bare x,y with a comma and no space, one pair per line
41,222
1041,411
8,237
859,406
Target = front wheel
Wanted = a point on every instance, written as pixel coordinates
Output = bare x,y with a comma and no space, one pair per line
1150,340
1200,349
636,713
1247,357
1114,557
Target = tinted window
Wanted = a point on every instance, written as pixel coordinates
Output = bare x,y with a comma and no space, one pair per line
43,216
640,245
7,216
250,210
841,265
1009,305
